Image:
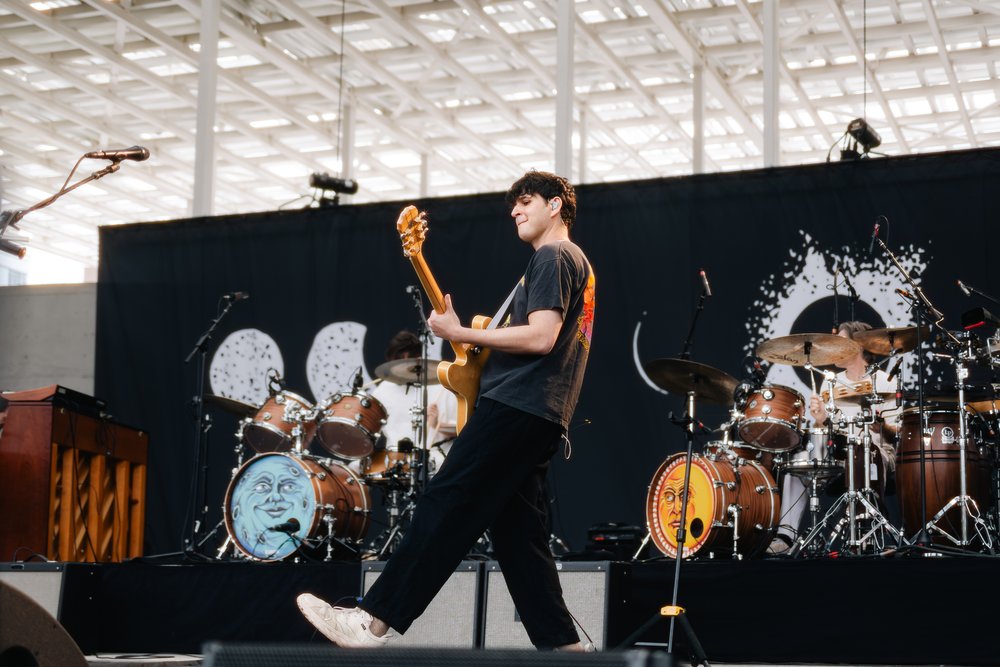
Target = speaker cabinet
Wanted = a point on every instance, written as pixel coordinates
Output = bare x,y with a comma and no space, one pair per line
451,619
29,635
589,589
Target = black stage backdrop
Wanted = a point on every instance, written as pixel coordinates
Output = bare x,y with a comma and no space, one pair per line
769,240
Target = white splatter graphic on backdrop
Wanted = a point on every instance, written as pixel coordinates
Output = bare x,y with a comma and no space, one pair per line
804,280
335,356
239,366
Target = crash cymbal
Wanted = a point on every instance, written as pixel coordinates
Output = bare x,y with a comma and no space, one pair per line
681,376
231,405
409,371
884,341
816,348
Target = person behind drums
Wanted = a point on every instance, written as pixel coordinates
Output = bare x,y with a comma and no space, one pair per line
400,399
494,474
850,380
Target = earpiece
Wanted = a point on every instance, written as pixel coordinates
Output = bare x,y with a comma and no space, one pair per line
553,204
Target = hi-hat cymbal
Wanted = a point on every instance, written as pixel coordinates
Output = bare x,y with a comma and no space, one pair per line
800,349
231,405
884,341
409,371
681,376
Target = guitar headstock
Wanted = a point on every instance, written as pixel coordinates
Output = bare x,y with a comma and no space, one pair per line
412,228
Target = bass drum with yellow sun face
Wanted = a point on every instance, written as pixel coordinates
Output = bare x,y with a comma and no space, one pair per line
732,510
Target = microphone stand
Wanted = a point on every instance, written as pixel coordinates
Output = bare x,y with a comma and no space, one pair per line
675,612
16,216
203,423
425,337
967,286
920,305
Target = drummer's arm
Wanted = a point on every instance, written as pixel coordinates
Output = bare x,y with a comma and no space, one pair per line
817,410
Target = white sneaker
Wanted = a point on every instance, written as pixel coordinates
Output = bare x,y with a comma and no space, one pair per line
346,627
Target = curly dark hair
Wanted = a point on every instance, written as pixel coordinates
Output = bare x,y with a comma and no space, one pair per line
403,345
546,185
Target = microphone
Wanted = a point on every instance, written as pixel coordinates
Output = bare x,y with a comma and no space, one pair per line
965,288
412,289
359,380
137,153
894,371
289,526
704,282
236,296
871,246
13,248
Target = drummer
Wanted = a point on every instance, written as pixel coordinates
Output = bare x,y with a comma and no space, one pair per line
851,383
855,375
399,399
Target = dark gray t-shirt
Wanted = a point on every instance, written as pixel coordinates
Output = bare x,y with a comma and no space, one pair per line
558,277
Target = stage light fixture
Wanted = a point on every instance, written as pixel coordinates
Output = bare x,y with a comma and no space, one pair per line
864,134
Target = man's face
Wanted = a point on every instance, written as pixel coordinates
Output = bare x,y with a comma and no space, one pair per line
533,216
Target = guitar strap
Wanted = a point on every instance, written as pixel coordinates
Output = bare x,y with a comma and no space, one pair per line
495,322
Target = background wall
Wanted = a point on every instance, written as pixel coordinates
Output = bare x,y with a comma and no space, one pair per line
47,336
326,284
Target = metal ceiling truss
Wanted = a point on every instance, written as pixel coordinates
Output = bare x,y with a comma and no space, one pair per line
459,96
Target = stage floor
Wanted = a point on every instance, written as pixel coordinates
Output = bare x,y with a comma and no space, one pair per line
849,610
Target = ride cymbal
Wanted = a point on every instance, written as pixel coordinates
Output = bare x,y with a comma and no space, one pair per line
884,341
800,349
409,371
682,375
231,405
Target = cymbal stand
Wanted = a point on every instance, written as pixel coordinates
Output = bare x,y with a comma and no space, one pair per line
968,507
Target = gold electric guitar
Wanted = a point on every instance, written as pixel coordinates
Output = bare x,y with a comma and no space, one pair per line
461,376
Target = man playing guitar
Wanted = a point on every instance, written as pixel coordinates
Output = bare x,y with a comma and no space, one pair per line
493,476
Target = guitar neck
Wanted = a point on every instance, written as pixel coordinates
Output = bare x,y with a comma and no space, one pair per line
430,287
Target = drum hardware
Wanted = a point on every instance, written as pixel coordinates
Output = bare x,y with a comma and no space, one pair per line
967,505
866,496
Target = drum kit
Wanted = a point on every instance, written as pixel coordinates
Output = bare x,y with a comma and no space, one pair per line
305,490
947,452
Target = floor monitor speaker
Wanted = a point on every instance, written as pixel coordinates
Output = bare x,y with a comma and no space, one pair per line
451,619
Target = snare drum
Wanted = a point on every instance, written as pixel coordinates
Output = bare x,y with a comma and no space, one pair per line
818,456
725,503
772,418
350,424
271,429
281,504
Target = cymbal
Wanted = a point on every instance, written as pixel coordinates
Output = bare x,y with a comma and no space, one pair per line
681,376
816,348
409,371
231,405
884,341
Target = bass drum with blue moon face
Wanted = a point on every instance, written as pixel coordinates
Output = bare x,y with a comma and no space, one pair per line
280,504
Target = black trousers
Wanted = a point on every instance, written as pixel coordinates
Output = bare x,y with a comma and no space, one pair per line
492,478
